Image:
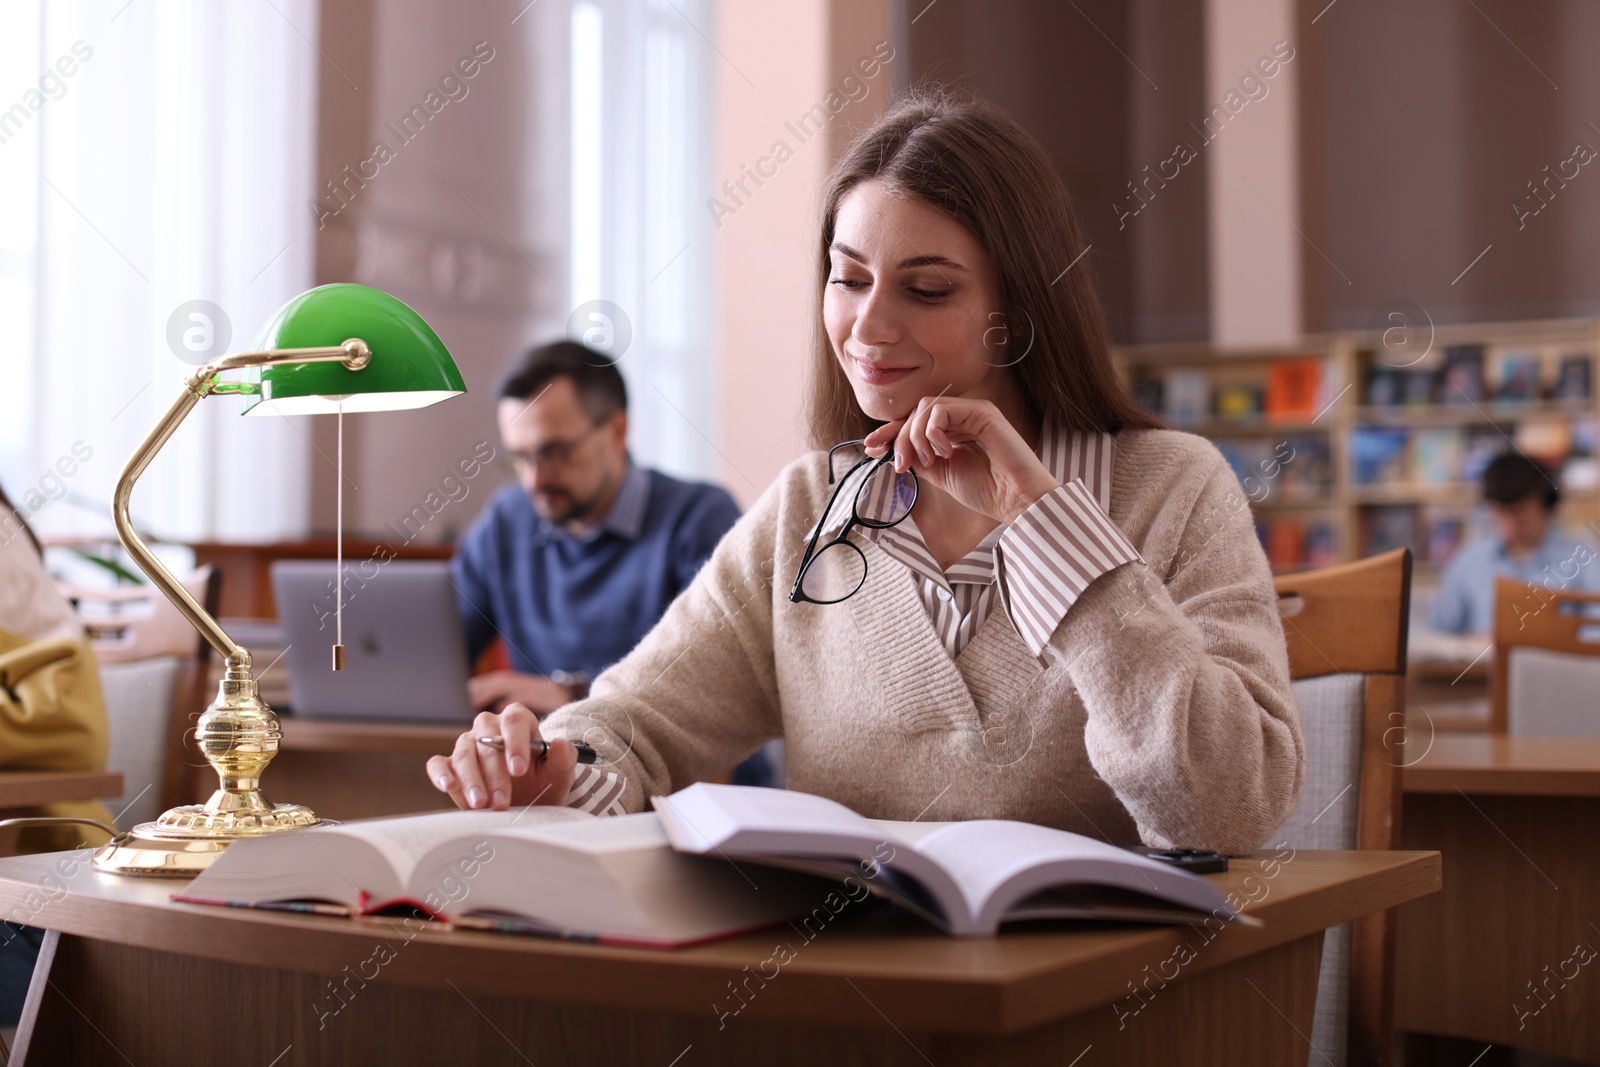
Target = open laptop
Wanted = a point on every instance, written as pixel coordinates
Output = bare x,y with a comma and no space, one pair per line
404,654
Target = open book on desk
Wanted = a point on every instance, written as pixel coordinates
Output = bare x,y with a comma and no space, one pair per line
964,877
544,870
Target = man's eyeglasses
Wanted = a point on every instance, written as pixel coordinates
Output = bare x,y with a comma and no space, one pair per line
880,499
553,454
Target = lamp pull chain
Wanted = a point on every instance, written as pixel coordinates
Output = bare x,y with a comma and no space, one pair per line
338,541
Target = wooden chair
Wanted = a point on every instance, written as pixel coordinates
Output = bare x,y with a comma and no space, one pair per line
1546,661
1346,631
155,670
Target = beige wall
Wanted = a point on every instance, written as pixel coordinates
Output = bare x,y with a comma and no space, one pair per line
447,225
412,230
767,247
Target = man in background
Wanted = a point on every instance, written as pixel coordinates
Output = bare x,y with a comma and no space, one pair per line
572,566
1522,498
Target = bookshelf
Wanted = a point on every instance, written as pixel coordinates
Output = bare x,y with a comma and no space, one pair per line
1347,449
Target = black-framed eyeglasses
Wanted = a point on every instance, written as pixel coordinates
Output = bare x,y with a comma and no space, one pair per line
553,454
881,499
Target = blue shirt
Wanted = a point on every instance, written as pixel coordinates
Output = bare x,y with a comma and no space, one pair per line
1466,592
580,604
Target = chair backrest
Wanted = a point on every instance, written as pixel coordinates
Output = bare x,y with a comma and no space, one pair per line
153,670
1345,628
1546,661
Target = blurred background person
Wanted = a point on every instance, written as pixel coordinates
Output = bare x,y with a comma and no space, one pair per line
1525,545
575,563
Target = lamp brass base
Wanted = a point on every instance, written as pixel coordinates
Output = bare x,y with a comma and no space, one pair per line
239,735
186,840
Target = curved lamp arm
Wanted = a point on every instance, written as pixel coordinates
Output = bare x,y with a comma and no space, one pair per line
354,354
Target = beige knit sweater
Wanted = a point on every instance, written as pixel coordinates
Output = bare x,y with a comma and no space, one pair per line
1165,716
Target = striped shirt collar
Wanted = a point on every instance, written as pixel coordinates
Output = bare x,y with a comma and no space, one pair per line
1066,454
625,518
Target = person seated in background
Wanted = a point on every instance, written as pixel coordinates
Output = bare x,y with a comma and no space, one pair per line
572,566
52,717
1522,498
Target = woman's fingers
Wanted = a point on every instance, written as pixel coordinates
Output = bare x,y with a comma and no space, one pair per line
477,775
445,781
881,438
492,761
916,433
520,728
468,772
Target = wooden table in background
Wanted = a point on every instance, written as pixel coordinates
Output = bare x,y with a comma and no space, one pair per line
21,791
29,789
1451,697
358,770
1518,822
172,983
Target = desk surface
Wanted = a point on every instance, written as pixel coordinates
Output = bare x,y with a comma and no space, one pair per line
27,789
892,962
1509,766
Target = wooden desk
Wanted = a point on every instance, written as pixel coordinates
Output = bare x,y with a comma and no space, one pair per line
29,789
1518,822
172,983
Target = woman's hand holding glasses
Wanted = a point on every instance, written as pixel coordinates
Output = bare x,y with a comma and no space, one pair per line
971,451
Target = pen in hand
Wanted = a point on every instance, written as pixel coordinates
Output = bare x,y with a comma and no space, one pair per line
541,749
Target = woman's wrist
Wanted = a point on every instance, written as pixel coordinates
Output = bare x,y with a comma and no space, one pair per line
1035,491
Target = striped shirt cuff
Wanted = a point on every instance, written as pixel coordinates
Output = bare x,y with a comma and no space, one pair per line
596,791
1050,554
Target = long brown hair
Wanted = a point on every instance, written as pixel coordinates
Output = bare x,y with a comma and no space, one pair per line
970,159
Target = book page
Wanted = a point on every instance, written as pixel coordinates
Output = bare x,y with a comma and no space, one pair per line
614,833
997,862
404,841
705,817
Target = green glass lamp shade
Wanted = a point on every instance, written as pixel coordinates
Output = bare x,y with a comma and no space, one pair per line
410,366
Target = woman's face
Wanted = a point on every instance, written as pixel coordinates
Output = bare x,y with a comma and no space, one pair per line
912,304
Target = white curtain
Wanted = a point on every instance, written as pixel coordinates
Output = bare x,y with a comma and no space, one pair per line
636,77
172,164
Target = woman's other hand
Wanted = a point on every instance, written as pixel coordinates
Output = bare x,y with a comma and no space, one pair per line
971,451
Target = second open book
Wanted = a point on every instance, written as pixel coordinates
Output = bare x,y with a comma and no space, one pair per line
710,861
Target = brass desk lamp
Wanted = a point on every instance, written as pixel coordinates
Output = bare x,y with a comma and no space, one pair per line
334,349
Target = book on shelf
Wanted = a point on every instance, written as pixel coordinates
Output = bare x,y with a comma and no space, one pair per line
1286,543
1149,394
1436,456
1461,377
1387,527
1298,468
966,878
665,878
1237,402
1386,387
1517,375
1307,473
1322,545
1294,390
1480,445
1442,533
1187,396
1378,454
1574,378
1418,387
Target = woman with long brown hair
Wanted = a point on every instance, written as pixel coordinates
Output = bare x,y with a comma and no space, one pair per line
998,589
